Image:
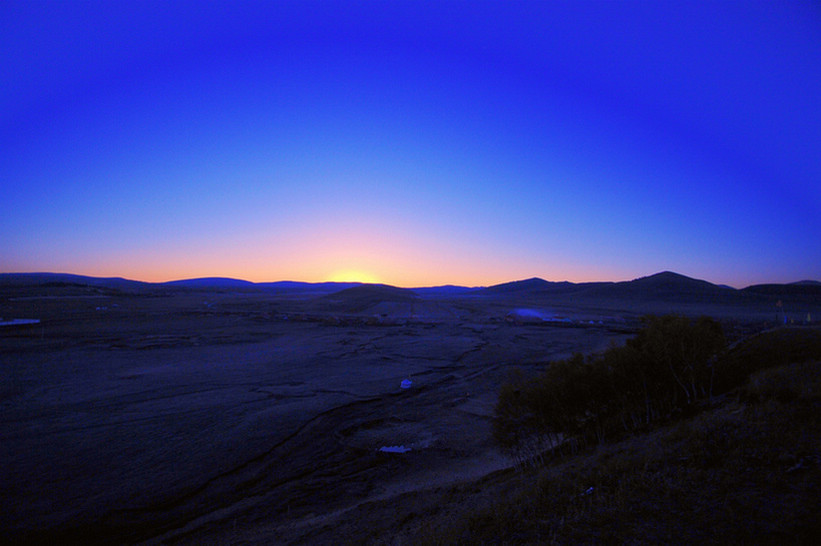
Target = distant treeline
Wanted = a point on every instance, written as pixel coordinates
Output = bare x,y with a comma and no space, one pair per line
669,368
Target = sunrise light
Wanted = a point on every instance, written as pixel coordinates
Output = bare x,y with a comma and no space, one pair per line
353,275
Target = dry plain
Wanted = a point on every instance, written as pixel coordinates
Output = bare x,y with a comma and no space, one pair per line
255,416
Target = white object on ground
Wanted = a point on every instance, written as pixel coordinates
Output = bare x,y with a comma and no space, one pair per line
406,384
15,322
394,449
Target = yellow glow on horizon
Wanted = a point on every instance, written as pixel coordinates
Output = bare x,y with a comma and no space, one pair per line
367,258
351,275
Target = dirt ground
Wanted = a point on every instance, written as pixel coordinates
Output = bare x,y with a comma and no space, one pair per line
231,417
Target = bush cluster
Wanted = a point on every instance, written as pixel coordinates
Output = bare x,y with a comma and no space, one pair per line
667,368
745,470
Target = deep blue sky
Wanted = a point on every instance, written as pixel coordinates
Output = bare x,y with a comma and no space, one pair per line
411,143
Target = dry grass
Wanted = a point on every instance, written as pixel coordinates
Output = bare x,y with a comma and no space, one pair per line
746,472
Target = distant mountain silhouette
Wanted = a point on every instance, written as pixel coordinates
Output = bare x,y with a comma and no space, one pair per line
531,286
210,282
526,285
802,289
664,285
360,298
379,291
56,279
307,288
667,281
446,290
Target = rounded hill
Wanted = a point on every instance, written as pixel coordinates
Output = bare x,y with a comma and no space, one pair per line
360,298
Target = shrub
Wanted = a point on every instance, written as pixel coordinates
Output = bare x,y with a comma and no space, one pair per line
667,367
683,351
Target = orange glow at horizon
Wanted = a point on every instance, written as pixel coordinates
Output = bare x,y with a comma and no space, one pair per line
354,255
406,274
402,268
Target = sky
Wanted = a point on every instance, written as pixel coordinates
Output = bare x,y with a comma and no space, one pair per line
411,143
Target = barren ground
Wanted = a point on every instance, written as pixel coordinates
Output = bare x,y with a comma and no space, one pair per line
227,417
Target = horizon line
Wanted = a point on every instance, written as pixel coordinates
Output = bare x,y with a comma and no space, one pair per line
287,280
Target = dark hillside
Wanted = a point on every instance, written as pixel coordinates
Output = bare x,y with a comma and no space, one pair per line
66,279
448,290
360,298
806,289
306,288
527,285
210,283
745,469
536,287
668,286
